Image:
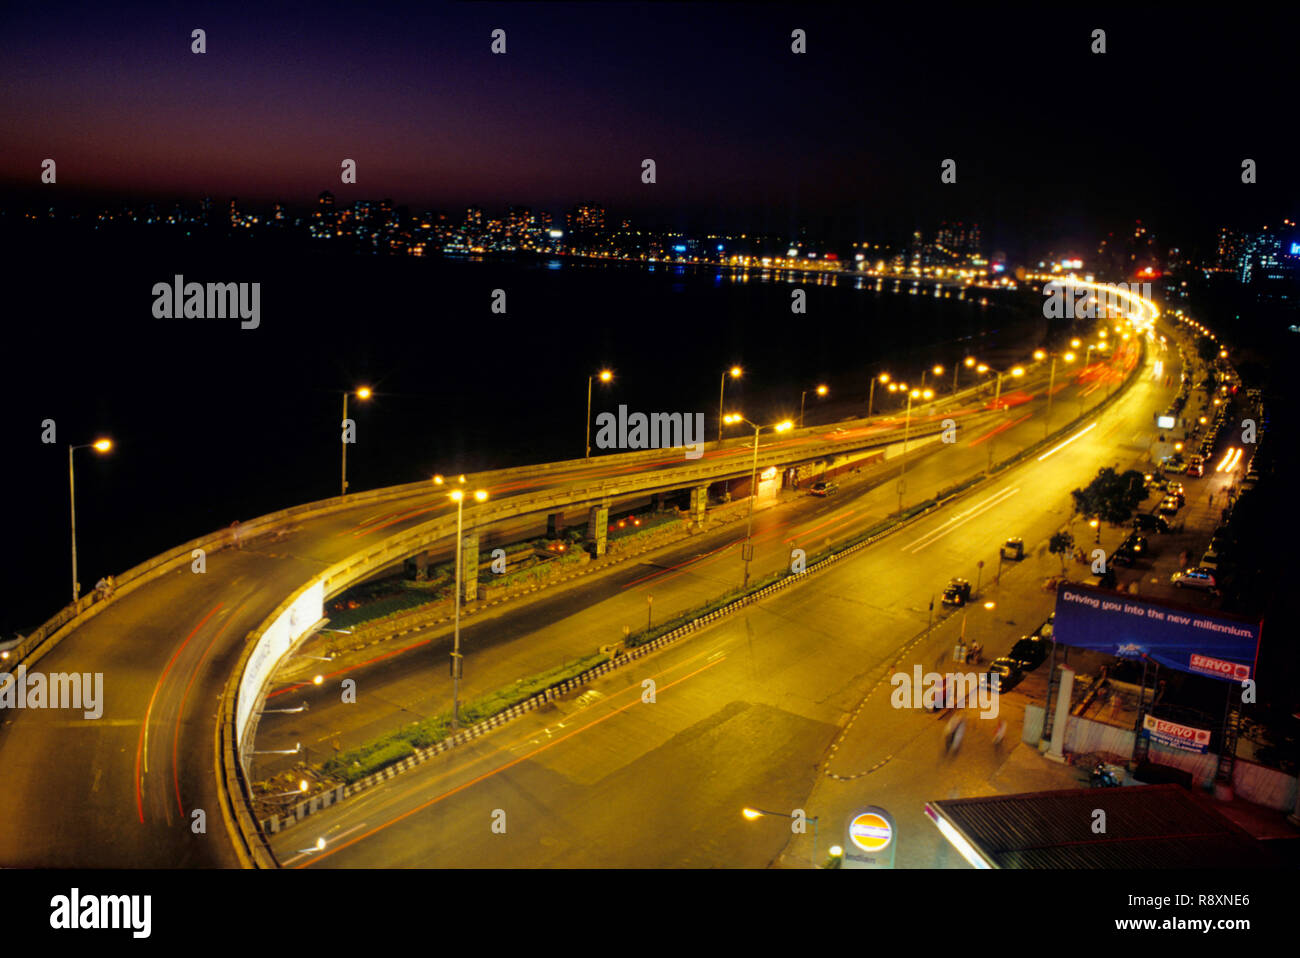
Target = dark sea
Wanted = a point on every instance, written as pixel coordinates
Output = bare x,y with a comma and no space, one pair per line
214,423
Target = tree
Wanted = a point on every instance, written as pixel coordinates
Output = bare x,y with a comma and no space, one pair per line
1111,496
1059,545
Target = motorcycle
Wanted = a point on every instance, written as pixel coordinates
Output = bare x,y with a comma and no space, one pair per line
1103,777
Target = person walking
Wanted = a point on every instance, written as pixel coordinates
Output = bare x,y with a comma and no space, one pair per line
1000,732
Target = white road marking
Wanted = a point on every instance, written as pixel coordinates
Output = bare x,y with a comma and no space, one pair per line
959,520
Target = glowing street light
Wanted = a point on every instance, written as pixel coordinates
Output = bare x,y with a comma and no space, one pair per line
754,814
747,550
604,376
734,372
100,446
363,393
871,395
821,391
458,497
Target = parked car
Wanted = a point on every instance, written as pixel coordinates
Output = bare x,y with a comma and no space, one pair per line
1176,490
1014,548
1003,674
1107,580
1195,578
823,488
957,592
1148,521
1029,652
1210,560
1169,506
1131,549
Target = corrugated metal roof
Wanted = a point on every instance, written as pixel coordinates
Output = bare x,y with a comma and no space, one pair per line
1153,826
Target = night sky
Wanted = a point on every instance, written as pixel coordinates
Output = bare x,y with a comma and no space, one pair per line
846,140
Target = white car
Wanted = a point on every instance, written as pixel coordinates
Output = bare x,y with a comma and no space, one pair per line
1197,578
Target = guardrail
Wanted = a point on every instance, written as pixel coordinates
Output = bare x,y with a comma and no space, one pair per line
433,530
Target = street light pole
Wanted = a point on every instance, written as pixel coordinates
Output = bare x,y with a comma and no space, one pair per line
753,494
907,425
72,499
1051,384
871,393
455,649
734,372
99,445
605,376
362,393
459,497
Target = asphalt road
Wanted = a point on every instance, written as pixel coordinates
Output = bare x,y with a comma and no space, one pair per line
743,713
122,790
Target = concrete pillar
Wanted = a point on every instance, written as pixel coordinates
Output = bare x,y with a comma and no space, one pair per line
699,503
554,525
1064,693
469,567
597,527
657,502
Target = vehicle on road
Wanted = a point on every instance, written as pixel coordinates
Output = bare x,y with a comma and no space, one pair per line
823,488
1176,490
1028,652
1132,549
1195,578
1003,674
1107,580
1148,521
1169,506
1014,548
1196,466
957,592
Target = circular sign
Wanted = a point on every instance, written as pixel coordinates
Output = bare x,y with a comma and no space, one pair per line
870,832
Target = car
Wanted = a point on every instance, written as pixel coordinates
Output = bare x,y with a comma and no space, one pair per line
1014,548
1150,521
823,488
1003,674
1196,467
1029,652
1210,560
1175,462
1176,490
1169,506
957,592
1044,631
1131,549
1198,577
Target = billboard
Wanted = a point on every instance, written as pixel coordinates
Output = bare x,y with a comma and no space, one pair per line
1190,640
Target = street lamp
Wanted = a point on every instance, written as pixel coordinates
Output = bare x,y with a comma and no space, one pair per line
458,497
747,550
605,376
907,423
1016,372
937,370
100,446
969,362
754,814
871,394
821,391
734,372
1051,385
363,393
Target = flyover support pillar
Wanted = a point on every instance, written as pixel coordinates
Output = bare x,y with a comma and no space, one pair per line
469,567
597,529
554,525
699,503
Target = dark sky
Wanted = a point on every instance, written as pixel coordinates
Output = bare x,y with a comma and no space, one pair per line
847,138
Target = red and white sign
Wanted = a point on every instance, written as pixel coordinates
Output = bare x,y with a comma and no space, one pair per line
1218,667
1179,736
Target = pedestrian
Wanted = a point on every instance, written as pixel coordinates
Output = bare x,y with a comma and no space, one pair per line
1211,500
1000,732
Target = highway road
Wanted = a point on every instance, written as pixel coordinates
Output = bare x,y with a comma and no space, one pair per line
743,714
408,680
123,790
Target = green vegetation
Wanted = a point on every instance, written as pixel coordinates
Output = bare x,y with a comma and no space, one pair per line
354,764
1111,496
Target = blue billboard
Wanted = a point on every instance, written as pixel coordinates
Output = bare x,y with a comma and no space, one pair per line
1189,640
